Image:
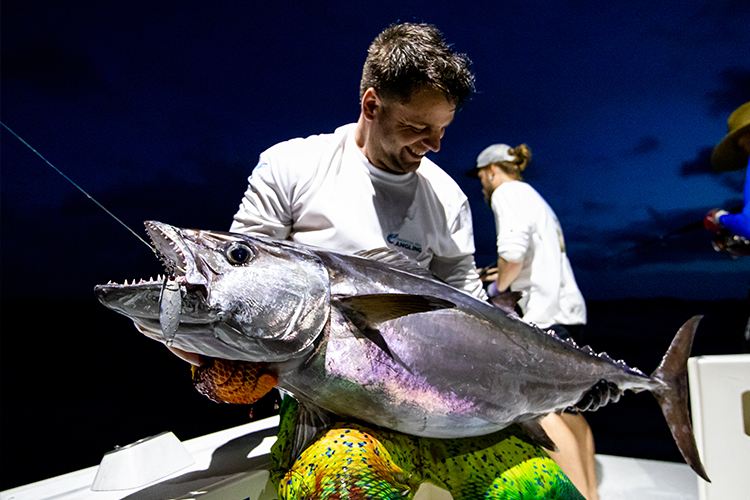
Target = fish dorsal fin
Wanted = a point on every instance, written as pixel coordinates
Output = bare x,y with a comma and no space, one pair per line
507,301
376,308
396,260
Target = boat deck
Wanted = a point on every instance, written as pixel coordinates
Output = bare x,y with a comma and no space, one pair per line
232,464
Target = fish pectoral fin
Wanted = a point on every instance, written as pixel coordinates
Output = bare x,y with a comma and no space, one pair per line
311,422
374,335
380,307
537,433
507,302
367,311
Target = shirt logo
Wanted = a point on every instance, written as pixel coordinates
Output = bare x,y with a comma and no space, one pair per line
394,240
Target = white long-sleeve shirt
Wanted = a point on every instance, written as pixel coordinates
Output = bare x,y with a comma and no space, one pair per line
528,231
322,191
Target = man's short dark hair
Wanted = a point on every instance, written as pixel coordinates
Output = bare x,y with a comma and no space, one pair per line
406,58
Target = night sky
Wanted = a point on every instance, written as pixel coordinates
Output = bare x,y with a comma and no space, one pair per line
160,110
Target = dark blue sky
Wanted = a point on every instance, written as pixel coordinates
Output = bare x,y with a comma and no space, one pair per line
160,109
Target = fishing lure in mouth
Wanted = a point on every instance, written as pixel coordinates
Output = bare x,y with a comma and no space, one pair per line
170,308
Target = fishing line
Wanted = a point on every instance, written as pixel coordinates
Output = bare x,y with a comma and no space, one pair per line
80,188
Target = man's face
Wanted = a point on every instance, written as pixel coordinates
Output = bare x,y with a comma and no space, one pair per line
401,134
486,177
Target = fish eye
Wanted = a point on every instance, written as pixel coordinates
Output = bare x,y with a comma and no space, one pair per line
238,253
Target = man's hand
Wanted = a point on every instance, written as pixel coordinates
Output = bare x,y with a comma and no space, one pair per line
492,290
488,273
711,221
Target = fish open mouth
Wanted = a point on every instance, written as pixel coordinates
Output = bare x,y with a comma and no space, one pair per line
170,248
144,299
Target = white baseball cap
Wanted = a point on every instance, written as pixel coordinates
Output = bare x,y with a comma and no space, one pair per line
493,154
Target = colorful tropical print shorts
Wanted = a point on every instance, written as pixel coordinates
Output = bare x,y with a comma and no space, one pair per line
352,461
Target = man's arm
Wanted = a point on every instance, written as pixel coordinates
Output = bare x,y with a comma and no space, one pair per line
457,266
459,272
265,207
507,272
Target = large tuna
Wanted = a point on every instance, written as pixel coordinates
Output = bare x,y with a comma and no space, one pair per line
372,337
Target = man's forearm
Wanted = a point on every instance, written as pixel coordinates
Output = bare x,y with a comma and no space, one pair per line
507,272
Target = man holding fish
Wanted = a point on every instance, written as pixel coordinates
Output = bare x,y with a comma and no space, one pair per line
366,186
396,377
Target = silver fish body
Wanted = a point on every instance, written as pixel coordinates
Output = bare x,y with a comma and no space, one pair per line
384,343
452,372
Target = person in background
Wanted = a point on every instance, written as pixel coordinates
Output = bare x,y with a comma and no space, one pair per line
732,153
532,260
732,230
369,185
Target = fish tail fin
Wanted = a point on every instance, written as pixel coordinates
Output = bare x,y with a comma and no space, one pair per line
673,395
